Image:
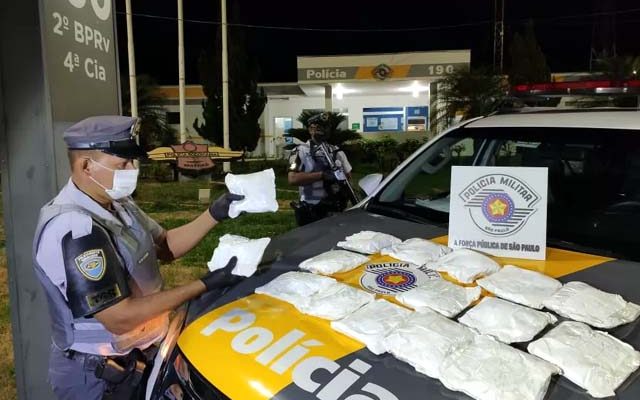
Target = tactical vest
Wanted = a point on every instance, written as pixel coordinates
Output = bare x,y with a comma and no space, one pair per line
315,191
136,250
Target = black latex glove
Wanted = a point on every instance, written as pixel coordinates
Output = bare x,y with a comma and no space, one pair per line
329,176
219,209
222,278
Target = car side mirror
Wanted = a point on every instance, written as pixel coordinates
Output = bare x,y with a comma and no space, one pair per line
370,183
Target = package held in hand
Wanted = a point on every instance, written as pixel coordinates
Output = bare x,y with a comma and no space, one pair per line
333,262
522,286
465,265
416,251
593,360
424,339
258,189
582,302
248,251
440,295
507,322
372,323
368,242
486,369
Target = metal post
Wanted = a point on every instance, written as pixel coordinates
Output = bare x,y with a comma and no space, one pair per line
133,87
181,70
328,98
498,36
225,83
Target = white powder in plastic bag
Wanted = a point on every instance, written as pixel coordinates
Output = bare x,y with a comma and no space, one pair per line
333,262
296,288
582,302
336,302
440,295
316,295
416,251
372,323
486,369
522,286
259,190
465,265
368,242
424,339
248,251
507,322
593,360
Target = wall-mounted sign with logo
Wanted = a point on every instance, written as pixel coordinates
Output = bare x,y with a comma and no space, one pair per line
378,72
192,156
499,210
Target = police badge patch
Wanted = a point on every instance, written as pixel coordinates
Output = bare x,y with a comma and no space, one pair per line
92,264
391,278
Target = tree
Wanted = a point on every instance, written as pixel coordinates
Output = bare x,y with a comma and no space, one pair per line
246,102
528,63
337,136
154,129
619,67
468,94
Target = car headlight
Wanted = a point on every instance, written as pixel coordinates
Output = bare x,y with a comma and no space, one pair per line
193,384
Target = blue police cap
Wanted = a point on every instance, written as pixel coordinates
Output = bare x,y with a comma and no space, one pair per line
111,134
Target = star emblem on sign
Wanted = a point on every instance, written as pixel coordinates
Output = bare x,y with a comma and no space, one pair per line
498,207
395,279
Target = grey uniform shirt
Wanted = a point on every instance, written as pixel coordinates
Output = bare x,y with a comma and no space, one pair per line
301,160
49,253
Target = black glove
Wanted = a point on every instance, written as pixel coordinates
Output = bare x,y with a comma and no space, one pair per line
219,209
329,175
222,278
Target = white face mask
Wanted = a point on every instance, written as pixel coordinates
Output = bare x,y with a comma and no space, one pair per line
124,182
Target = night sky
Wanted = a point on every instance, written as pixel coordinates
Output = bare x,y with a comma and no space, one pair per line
565,41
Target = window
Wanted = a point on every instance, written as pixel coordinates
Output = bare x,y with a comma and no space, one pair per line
593,191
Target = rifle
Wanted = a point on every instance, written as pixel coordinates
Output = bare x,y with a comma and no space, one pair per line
338,172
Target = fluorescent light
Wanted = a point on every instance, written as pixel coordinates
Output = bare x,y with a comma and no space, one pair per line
340,91
415,88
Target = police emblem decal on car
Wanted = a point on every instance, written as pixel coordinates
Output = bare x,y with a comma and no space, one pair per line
499,204
394,277
91,264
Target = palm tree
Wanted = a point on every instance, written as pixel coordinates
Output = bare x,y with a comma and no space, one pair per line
154,129
619,68
468,94
337,136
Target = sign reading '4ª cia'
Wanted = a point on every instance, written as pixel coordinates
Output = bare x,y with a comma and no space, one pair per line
499,210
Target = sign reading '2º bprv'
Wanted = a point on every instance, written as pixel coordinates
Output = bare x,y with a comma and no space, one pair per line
500,211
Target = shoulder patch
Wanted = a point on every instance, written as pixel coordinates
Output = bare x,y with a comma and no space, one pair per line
91,264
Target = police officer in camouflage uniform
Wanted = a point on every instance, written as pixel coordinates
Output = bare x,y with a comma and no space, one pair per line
310,171
95,254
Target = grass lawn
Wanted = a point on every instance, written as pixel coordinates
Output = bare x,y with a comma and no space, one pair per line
171,204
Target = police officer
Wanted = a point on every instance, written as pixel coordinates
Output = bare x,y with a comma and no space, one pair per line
96,253
309,170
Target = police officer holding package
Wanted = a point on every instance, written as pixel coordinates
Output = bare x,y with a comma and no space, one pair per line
96,255
322,172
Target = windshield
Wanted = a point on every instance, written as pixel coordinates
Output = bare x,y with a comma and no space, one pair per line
594,181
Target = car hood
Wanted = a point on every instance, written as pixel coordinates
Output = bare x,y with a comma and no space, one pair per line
252,346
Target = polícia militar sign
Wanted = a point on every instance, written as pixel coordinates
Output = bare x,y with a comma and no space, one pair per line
499,210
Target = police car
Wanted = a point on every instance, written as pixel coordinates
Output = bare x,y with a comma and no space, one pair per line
244,346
